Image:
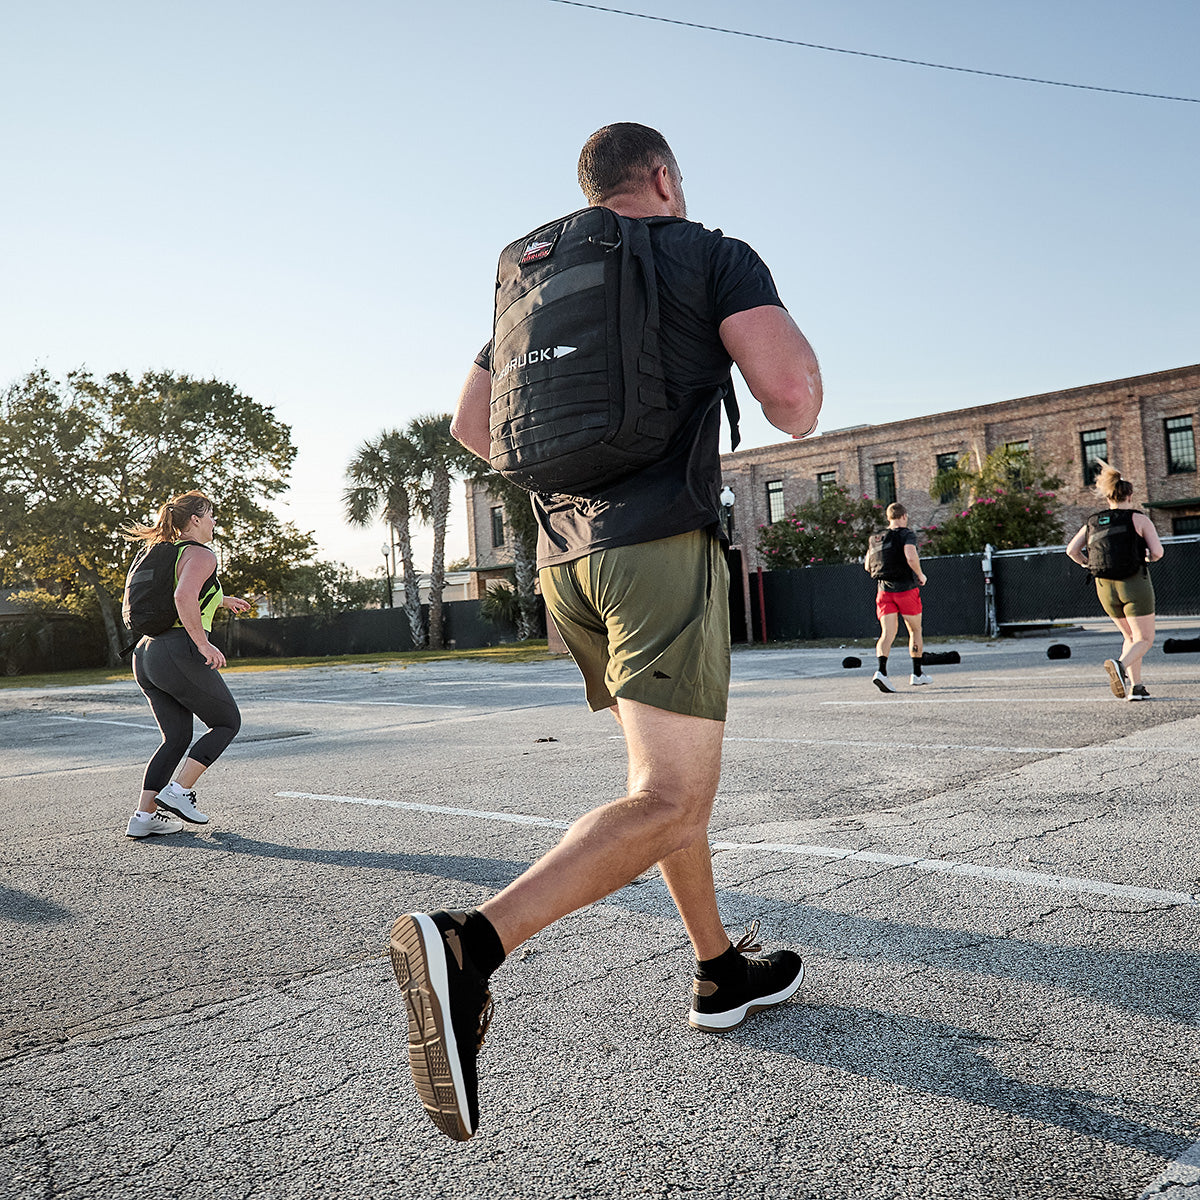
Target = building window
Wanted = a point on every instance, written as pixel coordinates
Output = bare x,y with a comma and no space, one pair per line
498,525
825,481
885,483
947,462
1181,445
1015,464
1183,525
1094,445
774,501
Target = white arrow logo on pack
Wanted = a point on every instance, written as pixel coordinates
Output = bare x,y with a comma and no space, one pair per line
563,351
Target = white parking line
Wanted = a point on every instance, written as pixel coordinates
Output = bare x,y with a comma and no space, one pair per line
958,746
366,703
959,698
509,818
1181,1179
102,721
1061,883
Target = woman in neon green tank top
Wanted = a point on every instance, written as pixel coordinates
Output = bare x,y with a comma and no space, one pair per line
179,671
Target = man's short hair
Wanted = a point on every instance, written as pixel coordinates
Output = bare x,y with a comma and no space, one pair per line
896,511
620,156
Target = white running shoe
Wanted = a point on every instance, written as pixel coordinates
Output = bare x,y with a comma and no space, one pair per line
182,803
882,682
144,824
918,680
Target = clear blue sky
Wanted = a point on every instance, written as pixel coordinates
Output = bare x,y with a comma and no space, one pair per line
307,199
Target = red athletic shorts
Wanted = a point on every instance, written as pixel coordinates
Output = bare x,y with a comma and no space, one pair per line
907,604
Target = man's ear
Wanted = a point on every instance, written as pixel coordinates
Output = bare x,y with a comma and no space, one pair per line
663,186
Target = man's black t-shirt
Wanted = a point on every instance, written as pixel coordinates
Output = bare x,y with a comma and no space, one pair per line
703,277
902,577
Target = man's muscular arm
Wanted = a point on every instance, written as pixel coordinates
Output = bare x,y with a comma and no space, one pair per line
779,366
471,424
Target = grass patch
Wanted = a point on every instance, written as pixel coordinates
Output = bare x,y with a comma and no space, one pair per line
532,651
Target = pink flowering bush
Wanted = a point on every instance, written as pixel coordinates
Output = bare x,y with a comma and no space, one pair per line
831,529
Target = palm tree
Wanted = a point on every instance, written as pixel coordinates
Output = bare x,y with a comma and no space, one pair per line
438,459
385,482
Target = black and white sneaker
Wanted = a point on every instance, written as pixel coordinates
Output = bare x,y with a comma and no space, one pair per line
1139,692
449,1009
1118,680
882,682
767,981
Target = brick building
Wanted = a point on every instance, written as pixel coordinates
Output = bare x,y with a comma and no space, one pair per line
1144,426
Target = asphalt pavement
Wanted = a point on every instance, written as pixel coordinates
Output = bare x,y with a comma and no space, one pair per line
994,881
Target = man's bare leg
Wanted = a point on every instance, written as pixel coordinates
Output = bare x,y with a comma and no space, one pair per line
888,624
674,767
916,643
689,878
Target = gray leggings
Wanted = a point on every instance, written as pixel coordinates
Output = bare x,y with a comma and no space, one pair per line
179,685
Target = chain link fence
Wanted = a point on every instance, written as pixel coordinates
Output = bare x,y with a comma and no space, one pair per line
1042,584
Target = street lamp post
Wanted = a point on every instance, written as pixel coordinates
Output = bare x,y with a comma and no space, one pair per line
386,551
727,498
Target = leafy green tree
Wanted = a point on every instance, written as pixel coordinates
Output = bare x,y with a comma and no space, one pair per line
439,458
324,588
830,529
1011,503
81,457
385,482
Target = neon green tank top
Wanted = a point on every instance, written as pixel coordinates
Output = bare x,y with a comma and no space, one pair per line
211,594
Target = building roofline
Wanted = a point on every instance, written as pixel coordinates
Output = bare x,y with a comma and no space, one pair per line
1085,389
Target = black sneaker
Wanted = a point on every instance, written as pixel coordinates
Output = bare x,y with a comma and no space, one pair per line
449,1008
1139,692
1118,680
768,981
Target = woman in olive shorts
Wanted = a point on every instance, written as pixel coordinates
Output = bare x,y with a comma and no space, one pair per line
1115,544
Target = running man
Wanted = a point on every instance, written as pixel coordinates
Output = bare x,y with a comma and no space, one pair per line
898,596
637,585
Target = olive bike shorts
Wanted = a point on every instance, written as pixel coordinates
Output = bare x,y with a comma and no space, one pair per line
1132,597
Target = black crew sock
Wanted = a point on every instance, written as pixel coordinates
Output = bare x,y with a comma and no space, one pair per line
917,663
882,661
482,942
723,968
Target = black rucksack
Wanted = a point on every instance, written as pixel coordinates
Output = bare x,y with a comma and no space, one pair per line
579,399
881,559
148,607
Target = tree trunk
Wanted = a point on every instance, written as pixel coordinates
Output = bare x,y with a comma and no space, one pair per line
439,506
525,570
412,582
114,631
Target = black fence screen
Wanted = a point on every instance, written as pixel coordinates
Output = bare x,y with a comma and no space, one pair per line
1043,584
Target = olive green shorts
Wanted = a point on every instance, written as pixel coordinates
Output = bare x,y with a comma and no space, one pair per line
1132,597
648,623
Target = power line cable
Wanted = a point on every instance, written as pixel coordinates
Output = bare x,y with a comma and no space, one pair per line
912,62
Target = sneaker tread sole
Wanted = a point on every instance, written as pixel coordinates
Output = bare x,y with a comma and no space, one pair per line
432,1048
1116,680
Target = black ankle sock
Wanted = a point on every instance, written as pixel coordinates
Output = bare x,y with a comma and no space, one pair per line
482,942
917,663
882,660
731,964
